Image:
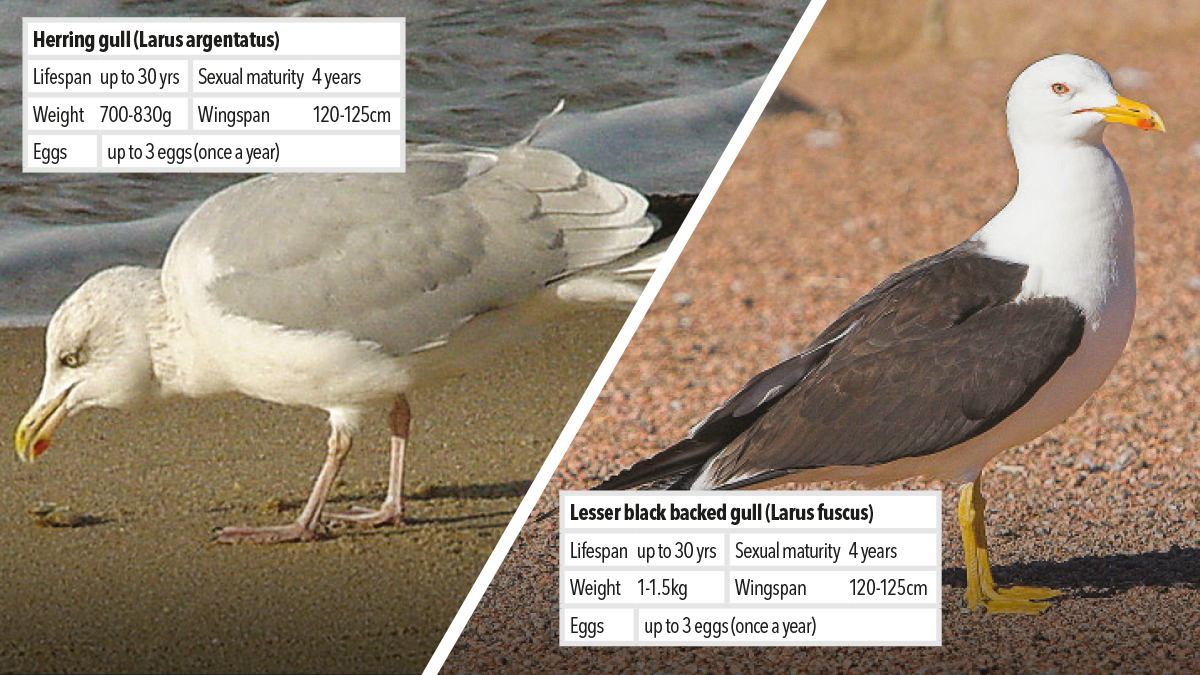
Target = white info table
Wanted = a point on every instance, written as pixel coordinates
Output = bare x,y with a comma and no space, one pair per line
750,568
214,95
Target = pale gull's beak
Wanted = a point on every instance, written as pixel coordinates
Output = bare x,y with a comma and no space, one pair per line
37,427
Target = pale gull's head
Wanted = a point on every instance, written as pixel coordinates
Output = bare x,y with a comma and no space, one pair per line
97,353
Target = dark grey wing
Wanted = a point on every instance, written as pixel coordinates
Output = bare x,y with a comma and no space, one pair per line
721,425
909,382
849,398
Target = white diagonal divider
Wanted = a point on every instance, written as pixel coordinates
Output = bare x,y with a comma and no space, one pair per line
622,341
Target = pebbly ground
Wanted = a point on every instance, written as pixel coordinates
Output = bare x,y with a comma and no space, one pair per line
816,210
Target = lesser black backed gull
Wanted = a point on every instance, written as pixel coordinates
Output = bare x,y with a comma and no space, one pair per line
961,355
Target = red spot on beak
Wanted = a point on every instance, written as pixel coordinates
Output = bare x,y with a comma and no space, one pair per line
40,447
1145,125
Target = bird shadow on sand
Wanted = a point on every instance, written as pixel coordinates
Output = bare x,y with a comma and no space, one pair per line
514,489
1099,576
71,520
491,520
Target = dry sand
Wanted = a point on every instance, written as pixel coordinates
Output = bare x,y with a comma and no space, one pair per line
144,589
1103,507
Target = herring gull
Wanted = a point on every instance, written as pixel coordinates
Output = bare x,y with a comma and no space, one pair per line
961,355
339,291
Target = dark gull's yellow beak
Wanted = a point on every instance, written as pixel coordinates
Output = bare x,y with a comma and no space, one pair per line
37,427
1132,113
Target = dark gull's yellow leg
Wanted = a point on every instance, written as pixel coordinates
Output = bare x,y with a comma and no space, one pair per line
981,589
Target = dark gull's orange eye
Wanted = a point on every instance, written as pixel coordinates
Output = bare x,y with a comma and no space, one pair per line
1059,88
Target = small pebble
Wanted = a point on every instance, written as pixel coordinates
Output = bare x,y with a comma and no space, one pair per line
1132,78
823,138
47,514
1192,353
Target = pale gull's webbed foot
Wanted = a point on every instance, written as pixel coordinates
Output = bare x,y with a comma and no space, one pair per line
308,525
389,513
274,534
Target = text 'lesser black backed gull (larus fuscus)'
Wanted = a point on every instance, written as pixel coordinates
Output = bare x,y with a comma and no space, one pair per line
338,291
961,355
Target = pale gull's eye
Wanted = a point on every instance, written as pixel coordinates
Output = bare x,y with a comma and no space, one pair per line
1059,88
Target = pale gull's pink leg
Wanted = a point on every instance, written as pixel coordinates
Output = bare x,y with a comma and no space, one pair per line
391,512
306,526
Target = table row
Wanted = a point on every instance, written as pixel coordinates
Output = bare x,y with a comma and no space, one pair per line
684,550
792,587
198,113
297,75
249,153
876,626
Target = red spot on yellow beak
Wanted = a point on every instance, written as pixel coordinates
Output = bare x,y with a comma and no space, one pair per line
40,447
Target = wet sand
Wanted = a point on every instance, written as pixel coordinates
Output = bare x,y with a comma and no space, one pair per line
810,217
144,589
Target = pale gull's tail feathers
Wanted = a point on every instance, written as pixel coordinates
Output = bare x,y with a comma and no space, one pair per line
619,282
541,124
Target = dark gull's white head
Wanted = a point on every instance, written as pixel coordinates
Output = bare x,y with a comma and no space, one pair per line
1067,98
